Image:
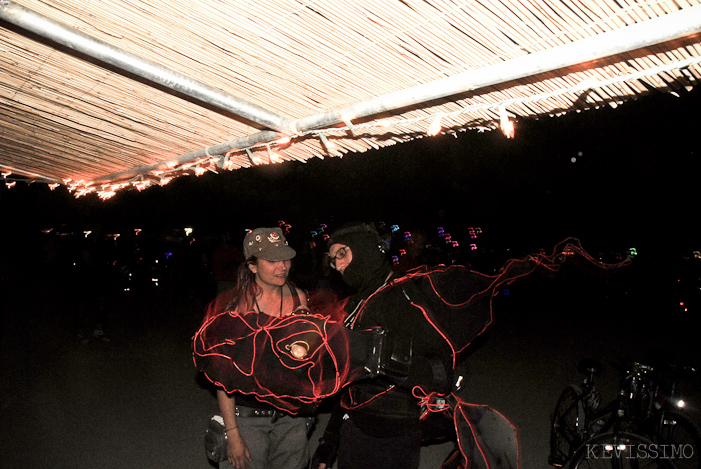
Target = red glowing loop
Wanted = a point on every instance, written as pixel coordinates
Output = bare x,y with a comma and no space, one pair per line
433,401
452,305
252,353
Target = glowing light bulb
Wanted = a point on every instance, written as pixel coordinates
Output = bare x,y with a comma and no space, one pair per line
255,160
507,126
222,162
508,129
330,145
272,156
435,127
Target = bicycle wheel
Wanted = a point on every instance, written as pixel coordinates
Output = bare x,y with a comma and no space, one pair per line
567,426
620,451
680,435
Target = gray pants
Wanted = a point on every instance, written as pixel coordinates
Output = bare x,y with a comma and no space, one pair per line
280,445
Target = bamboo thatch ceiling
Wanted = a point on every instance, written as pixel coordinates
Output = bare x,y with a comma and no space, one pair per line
289,80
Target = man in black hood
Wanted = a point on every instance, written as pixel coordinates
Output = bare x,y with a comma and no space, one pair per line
356,252
377,422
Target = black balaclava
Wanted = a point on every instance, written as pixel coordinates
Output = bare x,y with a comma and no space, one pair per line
369,267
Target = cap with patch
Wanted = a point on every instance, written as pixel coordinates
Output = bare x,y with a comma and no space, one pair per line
267,243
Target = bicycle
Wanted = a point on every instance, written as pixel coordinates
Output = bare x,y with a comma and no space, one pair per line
664,419
586,434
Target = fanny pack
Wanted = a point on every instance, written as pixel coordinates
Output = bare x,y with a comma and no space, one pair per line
215,434
215,439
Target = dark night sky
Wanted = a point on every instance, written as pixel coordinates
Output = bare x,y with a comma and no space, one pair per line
634,182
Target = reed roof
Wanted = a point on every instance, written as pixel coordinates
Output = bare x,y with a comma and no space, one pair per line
324,78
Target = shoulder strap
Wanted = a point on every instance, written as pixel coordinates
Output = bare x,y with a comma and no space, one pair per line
295,294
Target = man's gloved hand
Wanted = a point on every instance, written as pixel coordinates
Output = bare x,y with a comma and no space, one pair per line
326,451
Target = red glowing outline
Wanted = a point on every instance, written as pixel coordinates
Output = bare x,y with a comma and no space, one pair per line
259,330
460,411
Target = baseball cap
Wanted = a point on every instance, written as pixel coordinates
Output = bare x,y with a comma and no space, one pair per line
267,243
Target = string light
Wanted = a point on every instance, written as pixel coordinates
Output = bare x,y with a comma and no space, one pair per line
80,188
507,126
272,156
228,162
435,127
84,191
104,195
329,145
255,161
222,162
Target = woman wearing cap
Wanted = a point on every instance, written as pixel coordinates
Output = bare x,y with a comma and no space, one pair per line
259,435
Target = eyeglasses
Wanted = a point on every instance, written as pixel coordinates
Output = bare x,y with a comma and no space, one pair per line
340,254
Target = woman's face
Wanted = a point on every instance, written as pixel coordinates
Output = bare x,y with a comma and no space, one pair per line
270,273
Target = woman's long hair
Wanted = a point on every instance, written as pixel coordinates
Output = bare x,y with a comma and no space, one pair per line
243,294
240,297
